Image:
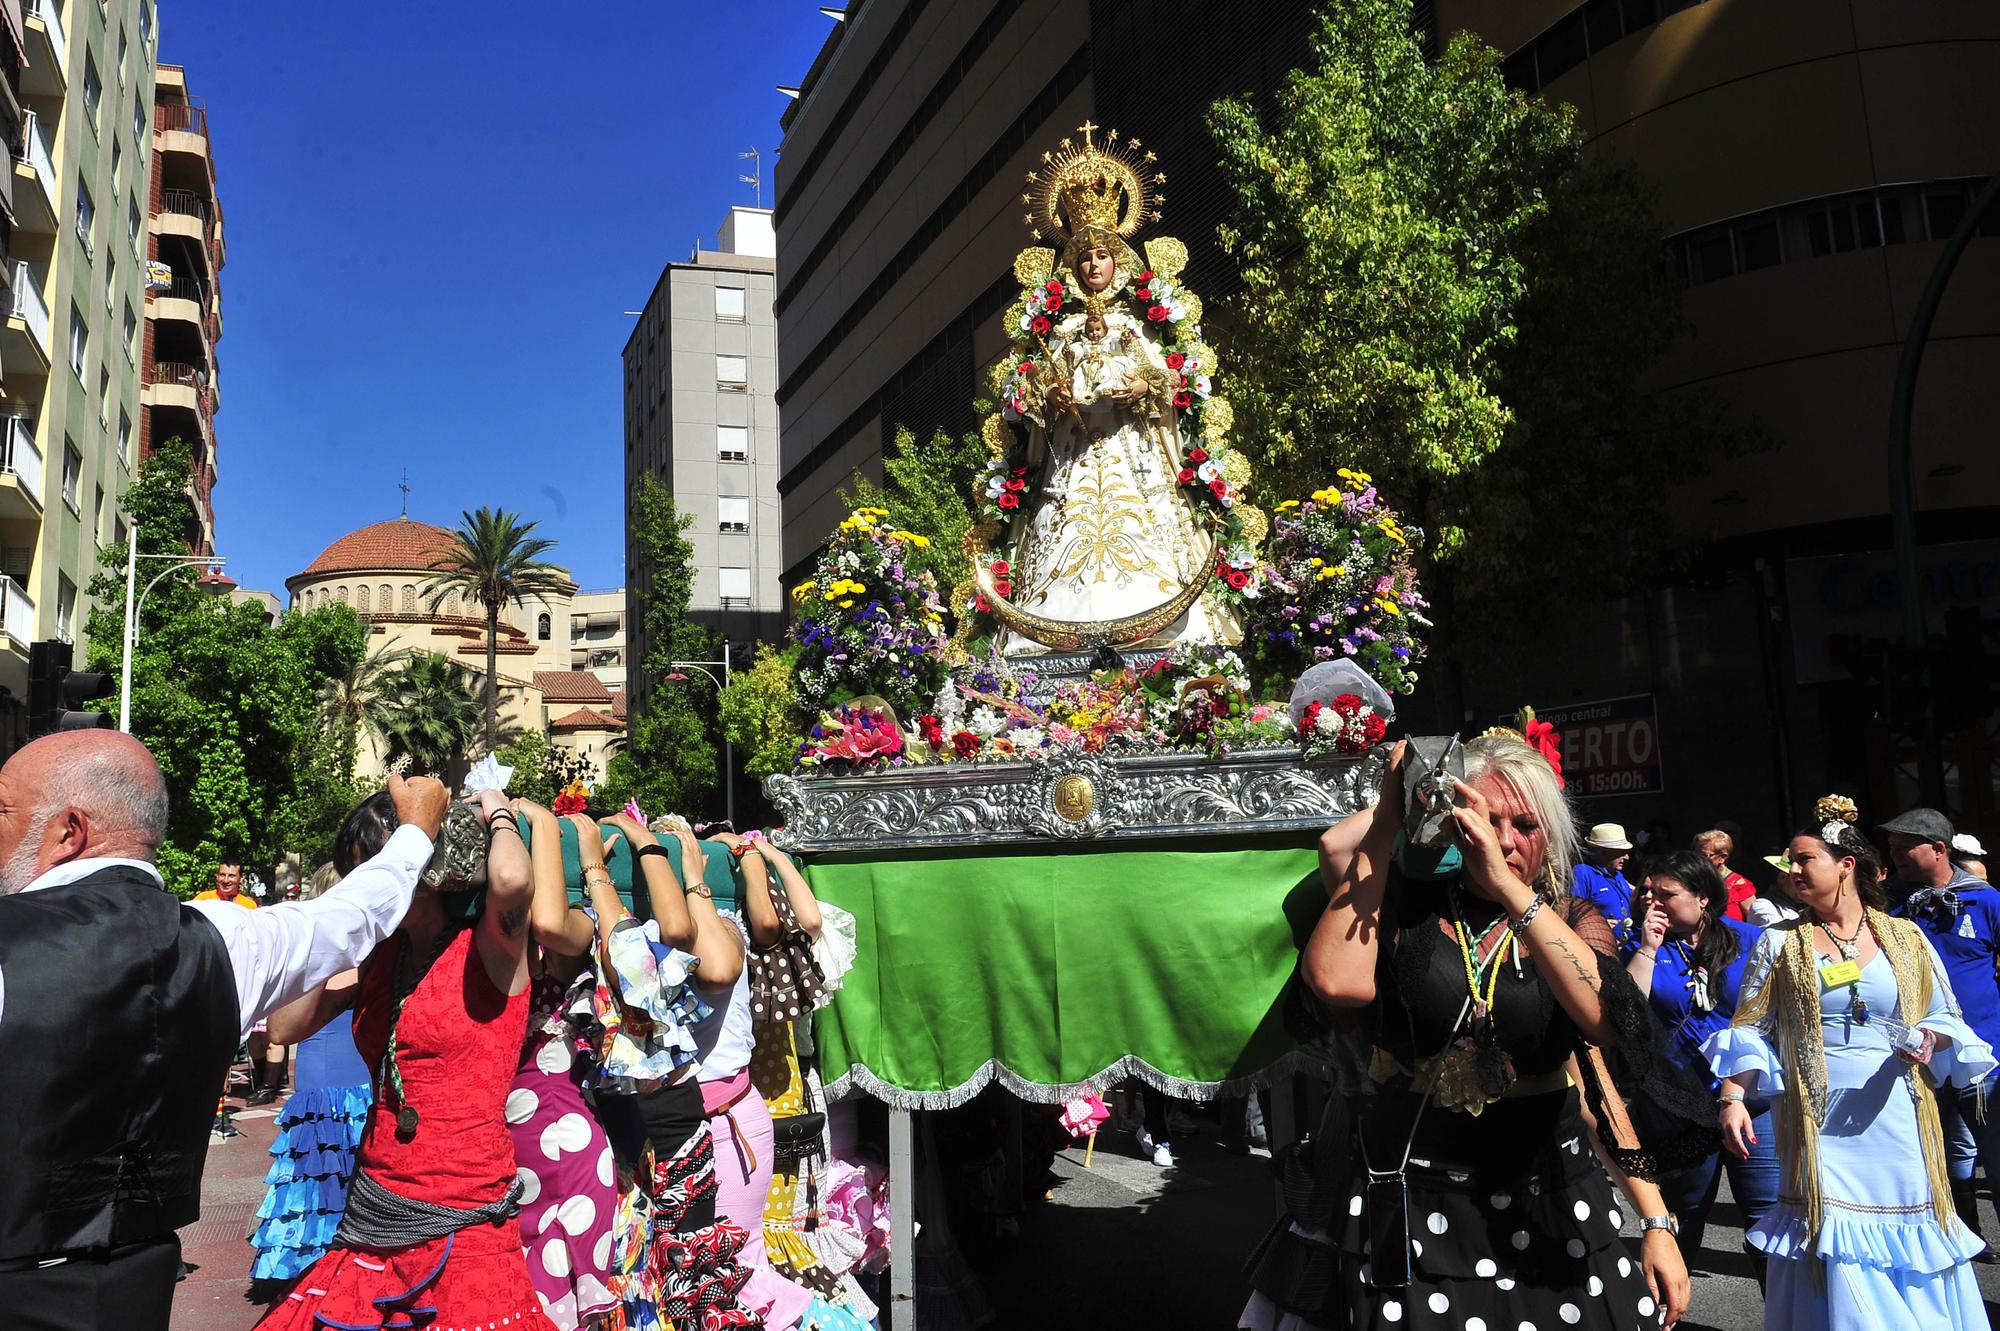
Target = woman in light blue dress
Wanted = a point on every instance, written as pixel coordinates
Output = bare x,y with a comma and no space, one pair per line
1848,1024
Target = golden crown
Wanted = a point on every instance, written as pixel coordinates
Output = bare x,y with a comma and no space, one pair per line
1106,186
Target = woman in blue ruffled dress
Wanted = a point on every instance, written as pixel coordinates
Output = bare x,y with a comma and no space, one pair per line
319,1130
1848,1025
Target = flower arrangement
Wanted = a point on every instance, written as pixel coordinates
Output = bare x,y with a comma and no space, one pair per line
853,736
1342,583
574,798
1342,726
866,622
1009,484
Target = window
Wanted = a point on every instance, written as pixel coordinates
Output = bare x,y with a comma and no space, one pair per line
118,535
732,372
542,628
93,87
734,584
732,443
385,597
72,475
729,304
131,332
86,215
341,594
132,225
104,398
124,50
97,516
409,598
124,437
65,608
138,119
361,598
117,166
79,339
732,513
110,286
145,22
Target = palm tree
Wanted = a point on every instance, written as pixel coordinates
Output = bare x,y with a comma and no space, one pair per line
494,561
355,706
428,714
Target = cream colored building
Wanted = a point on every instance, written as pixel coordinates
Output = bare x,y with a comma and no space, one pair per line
383,571
598,641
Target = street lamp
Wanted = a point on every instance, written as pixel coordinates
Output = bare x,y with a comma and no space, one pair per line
676,675
134,605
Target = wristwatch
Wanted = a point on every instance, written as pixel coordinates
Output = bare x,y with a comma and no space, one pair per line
1666,1222
700,889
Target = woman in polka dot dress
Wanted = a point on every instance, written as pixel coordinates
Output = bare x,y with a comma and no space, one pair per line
1493,989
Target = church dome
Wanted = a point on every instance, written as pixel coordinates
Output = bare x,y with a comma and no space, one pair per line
399,545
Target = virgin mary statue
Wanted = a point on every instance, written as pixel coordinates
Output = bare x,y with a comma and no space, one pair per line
1120,504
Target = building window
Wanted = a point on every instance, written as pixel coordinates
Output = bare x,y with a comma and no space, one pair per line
86,216
409,598
104,397
542,628
341,593
361,599
729,304
117,166
133,226
124,437
118,533
732,372
124,50
385,597
93,88
65,608
734,586
79,340
732,443
732,513
131,332
97,515
72,480
138,119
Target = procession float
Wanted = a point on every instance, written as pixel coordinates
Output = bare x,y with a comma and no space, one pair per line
1073,799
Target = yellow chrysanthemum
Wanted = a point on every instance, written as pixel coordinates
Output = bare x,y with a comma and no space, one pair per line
1326,573
845,604
1288,505
803,590
1388,606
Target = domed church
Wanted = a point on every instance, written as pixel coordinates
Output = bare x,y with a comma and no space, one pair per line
383,570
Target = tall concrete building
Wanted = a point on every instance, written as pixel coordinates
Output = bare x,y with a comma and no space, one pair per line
898,216
179,392
700,380
75,268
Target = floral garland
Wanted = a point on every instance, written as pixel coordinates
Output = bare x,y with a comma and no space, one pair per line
867,623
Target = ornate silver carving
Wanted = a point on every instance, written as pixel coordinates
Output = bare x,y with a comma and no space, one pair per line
1073,796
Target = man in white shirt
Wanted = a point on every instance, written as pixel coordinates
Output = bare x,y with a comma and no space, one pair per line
119,1010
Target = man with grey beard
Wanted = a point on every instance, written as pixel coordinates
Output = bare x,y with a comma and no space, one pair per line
119,1010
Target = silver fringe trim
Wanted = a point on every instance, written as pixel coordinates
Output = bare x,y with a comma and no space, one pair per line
858,1080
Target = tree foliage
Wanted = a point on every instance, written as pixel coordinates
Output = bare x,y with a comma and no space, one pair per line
228,704
541,769
669,759
928,486
760,712
495,559
429,715
353,704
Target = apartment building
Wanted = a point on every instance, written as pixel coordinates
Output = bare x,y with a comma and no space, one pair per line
74,264
178,390
597,636
700,379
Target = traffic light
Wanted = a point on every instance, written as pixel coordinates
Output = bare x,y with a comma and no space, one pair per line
56,693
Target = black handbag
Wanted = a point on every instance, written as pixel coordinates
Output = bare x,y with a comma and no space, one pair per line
799,1137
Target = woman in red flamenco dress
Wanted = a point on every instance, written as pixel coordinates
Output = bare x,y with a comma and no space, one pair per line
430,1240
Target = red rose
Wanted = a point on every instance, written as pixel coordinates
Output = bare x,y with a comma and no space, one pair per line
1004,587
1222,571
1055,287
1015,485
981,604
1197,456
999,569
1158,314
1187,476
1041,324
965,744
1010,500
1374,727
1027,367
1144,293
1176,359
1146,276
1183,399
1053,305
1021,470
1218,487
1237,578
932,730
1347,704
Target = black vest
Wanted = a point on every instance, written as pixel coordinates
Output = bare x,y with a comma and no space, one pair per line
117,1029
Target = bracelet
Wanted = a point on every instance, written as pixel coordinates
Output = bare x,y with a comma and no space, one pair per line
499,823
1726,1098
1654,955
1528,916
1648,1223
656,848
590,869
508,814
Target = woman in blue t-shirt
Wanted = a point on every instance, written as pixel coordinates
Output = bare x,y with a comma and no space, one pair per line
1688,959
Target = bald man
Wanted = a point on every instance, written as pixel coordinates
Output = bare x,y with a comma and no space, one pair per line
119,1010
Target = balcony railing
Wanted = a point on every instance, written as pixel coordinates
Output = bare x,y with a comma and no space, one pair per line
182,117
24,302
177,372
185,202
19,457
45,10
17,612
38,152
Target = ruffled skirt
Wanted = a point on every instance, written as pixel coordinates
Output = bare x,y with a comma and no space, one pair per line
473,1280
312,1160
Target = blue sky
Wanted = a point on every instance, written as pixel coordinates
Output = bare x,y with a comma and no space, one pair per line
437,212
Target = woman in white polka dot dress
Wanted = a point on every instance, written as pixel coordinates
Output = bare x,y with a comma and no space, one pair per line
1484,982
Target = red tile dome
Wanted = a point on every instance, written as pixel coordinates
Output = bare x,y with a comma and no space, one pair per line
398,545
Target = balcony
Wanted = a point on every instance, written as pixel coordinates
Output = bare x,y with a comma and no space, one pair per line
26,343
17,615
175,384
187,214
179,127
47,74
188,301
35,178
20,470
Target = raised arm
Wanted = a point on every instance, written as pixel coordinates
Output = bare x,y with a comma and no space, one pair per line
716,941
797,890
502,933
1354,855
650,862
281,952
304,1016
760,911
557,926
1652,936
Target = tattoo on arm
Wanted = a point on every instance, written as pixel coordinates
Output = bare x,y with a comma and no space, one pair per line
1588,974
514,921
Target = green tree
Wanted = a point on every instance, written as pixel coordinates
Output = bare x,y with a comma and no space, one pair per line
495,560
227,702
541,769
429,714
760,712
353,704
927,487
669,758
1439,294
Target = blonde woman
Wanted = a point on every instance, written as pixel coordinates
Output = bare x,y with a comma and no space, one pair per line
1848,1024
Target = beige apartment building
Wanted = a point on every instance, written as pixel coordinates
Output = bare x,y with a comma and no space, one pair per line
76,279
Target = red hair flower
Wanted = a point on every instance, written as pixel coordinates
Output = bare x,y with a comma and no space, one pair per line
999,568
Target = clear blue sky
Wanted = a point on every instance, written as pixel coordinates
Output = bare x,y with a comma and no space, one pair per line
436,213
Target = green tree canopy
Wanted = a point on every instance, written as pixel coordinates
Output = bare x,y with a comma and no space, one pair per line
669,759
928,487
495,559
429,714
